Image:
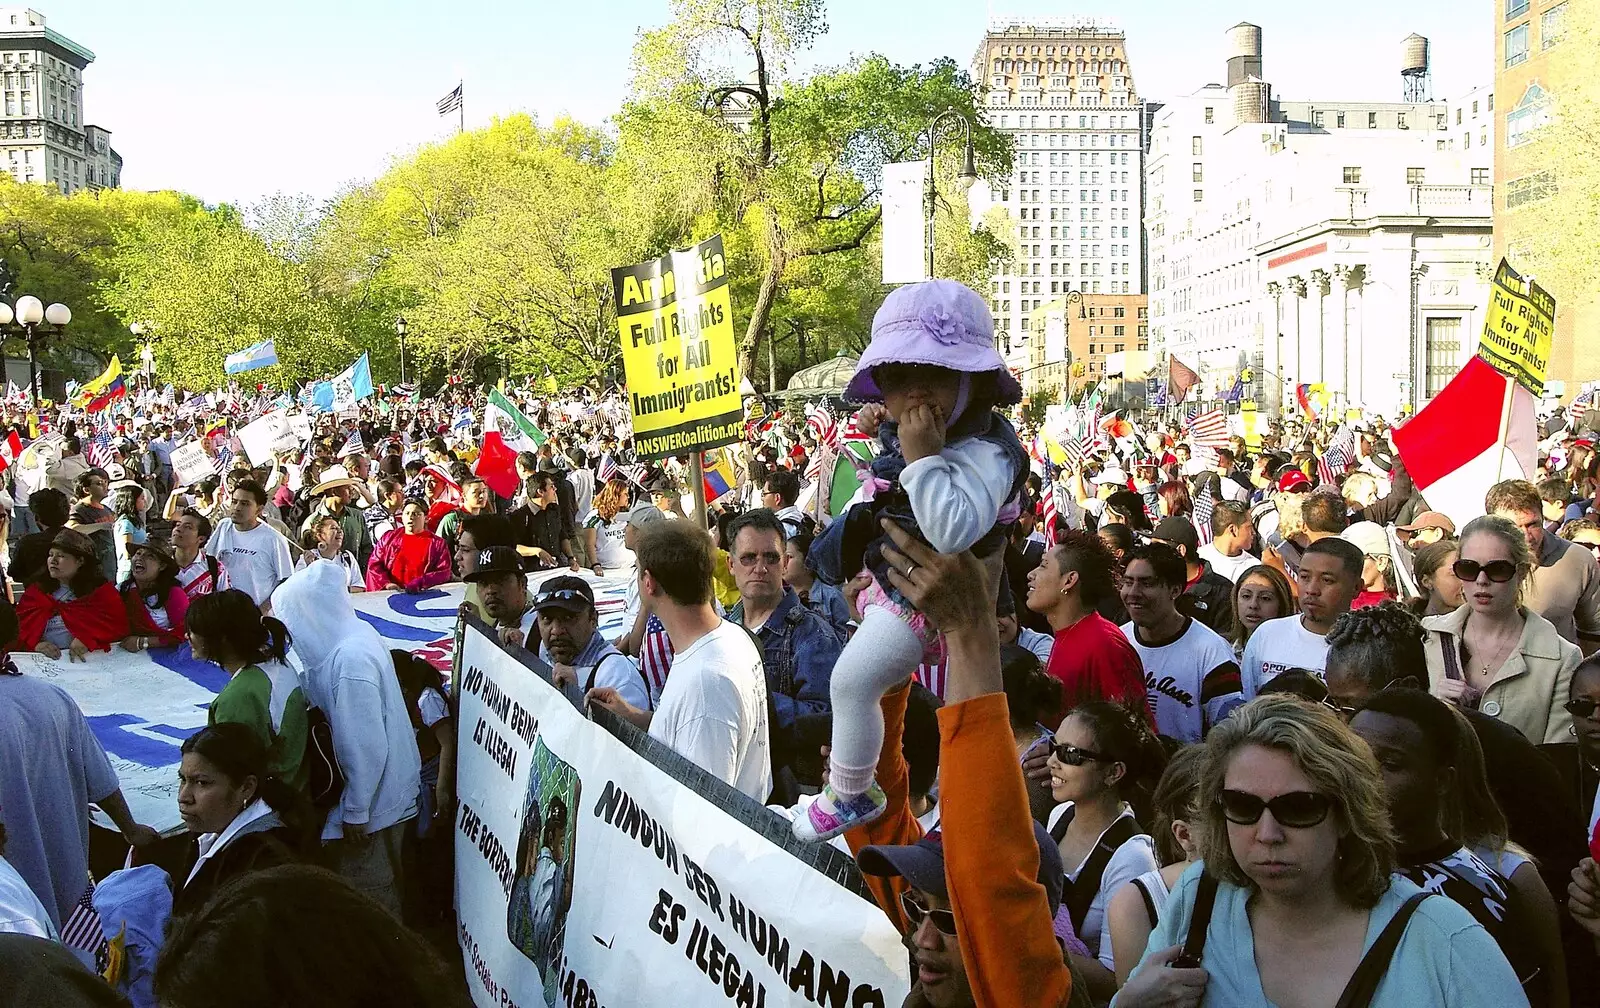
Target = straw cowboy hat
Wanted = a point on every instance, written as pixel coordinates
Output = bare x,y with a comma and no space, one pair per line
333,477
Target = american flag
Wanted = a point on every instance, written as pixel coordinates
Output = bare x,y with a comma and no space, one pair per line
932,678
82,929
353,445
1076,452
224,460
608,469
1209,429
822,426
1048,506
1204,506
98,450
854,433
655,657
1333,463
1581,404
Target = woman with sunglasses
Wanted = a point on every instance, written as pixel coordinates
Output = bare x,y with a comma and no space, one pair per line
1104,765
1494,654
1294,832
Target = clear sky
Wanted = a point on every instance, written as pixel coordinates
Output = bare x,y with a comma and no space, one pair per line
232,101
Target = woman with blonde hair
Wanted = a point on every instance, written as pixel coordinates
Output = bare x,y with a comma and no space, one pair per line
1493,653
603,529
1293,828
1262,593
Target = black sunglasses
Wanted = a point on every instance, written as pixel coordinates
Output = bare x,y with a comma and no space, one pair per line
1581,708
1499,571
1071,755
944,921
1345,712
1296,809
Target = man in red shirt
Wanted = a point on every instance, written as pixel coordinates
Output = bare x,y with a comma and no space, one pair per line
1091,657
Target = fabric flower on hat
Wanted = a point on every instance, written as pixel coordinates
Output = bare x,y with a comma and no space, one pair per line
941,325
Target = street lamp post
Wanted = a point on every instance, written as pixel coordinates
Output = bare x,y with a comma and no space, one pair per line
968,176
25,319
400,333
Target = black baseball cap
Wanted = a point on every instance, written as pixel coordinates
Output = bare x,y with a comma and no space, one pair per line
922,864
565,592
1177,531
495,562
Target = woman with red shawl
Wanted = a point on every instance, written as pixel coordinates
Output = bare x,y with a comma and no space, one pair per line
157,605
70,606
444,494
409,558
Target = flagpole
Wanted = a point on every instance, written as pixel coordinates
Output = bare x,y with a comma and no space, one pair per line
461,107
697,473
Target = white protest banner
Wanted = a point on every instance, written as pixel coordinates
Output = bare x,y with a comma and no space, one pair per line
264,438
601,872
141,706
191,464
301,425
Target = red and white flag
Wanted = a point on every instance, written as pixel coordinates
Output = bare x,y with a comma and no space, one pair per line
10,449
1209,430
1452,448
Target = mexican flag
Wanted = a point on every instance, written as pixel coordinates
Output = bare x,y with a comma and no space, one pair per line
517,431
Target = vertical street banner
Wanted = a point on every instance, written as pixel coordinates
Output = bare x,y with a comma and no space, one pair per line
905,228
596,867
676,326
1517,328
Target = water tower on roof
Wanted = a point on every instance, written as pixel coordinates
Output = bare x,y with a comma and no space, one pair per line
1415,81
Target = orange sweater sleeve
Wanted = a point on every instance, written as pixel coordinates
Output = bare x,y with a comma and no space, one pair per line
991,862
897,825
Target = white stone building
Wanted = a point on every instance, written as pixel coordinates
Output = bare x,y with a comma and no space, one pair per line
43,137
1063,89
1345,244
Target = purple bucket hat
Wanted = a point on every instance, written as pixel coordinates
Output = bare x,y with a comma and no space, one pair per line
939,322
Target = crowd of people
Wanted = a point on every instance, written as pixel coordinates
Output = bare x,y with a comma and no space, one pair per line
1182,721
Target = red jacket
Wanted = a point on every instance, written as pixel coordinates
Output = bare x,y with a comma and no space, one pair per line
141,625
99,619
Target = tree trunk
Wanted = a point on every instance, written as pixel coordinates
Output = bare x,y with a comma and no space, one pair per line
760,311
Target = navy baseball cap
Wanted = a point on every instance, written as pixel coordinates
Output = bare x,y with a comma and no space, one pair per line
922,864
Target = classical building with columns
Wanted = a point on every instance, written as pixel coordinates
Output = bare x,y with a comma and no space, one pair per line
1345,244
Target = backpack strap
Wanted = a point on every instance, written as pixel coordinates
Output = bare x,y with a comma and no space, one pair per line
1452,656
1205,897
1080,892
1058,832
1149,903
1358,993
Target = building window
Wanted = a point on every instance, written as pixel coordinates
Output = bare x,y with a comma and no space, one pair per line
1339,120
1199,195
1444,353
1480,176
1516,8
1352,175
1195,146
1552,24
1198,172
1372,120
1211,114
1415,176
1317,119
1530,189
1516,45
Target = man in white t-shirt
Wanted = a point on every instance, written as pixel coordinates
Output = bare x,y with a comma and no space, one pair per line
255,555
1329,578
1189,670
1232,534
713,709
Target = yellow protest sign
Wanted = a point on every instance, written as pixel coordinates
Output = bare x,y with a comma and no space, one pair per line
1517,328
1253,424
676,327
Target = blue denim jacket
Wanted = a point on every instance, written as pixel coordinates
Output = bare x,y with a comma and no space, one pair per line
798,651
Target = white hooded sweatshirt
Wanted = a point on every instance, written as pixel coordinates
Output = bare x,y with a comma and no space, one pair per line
346,670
